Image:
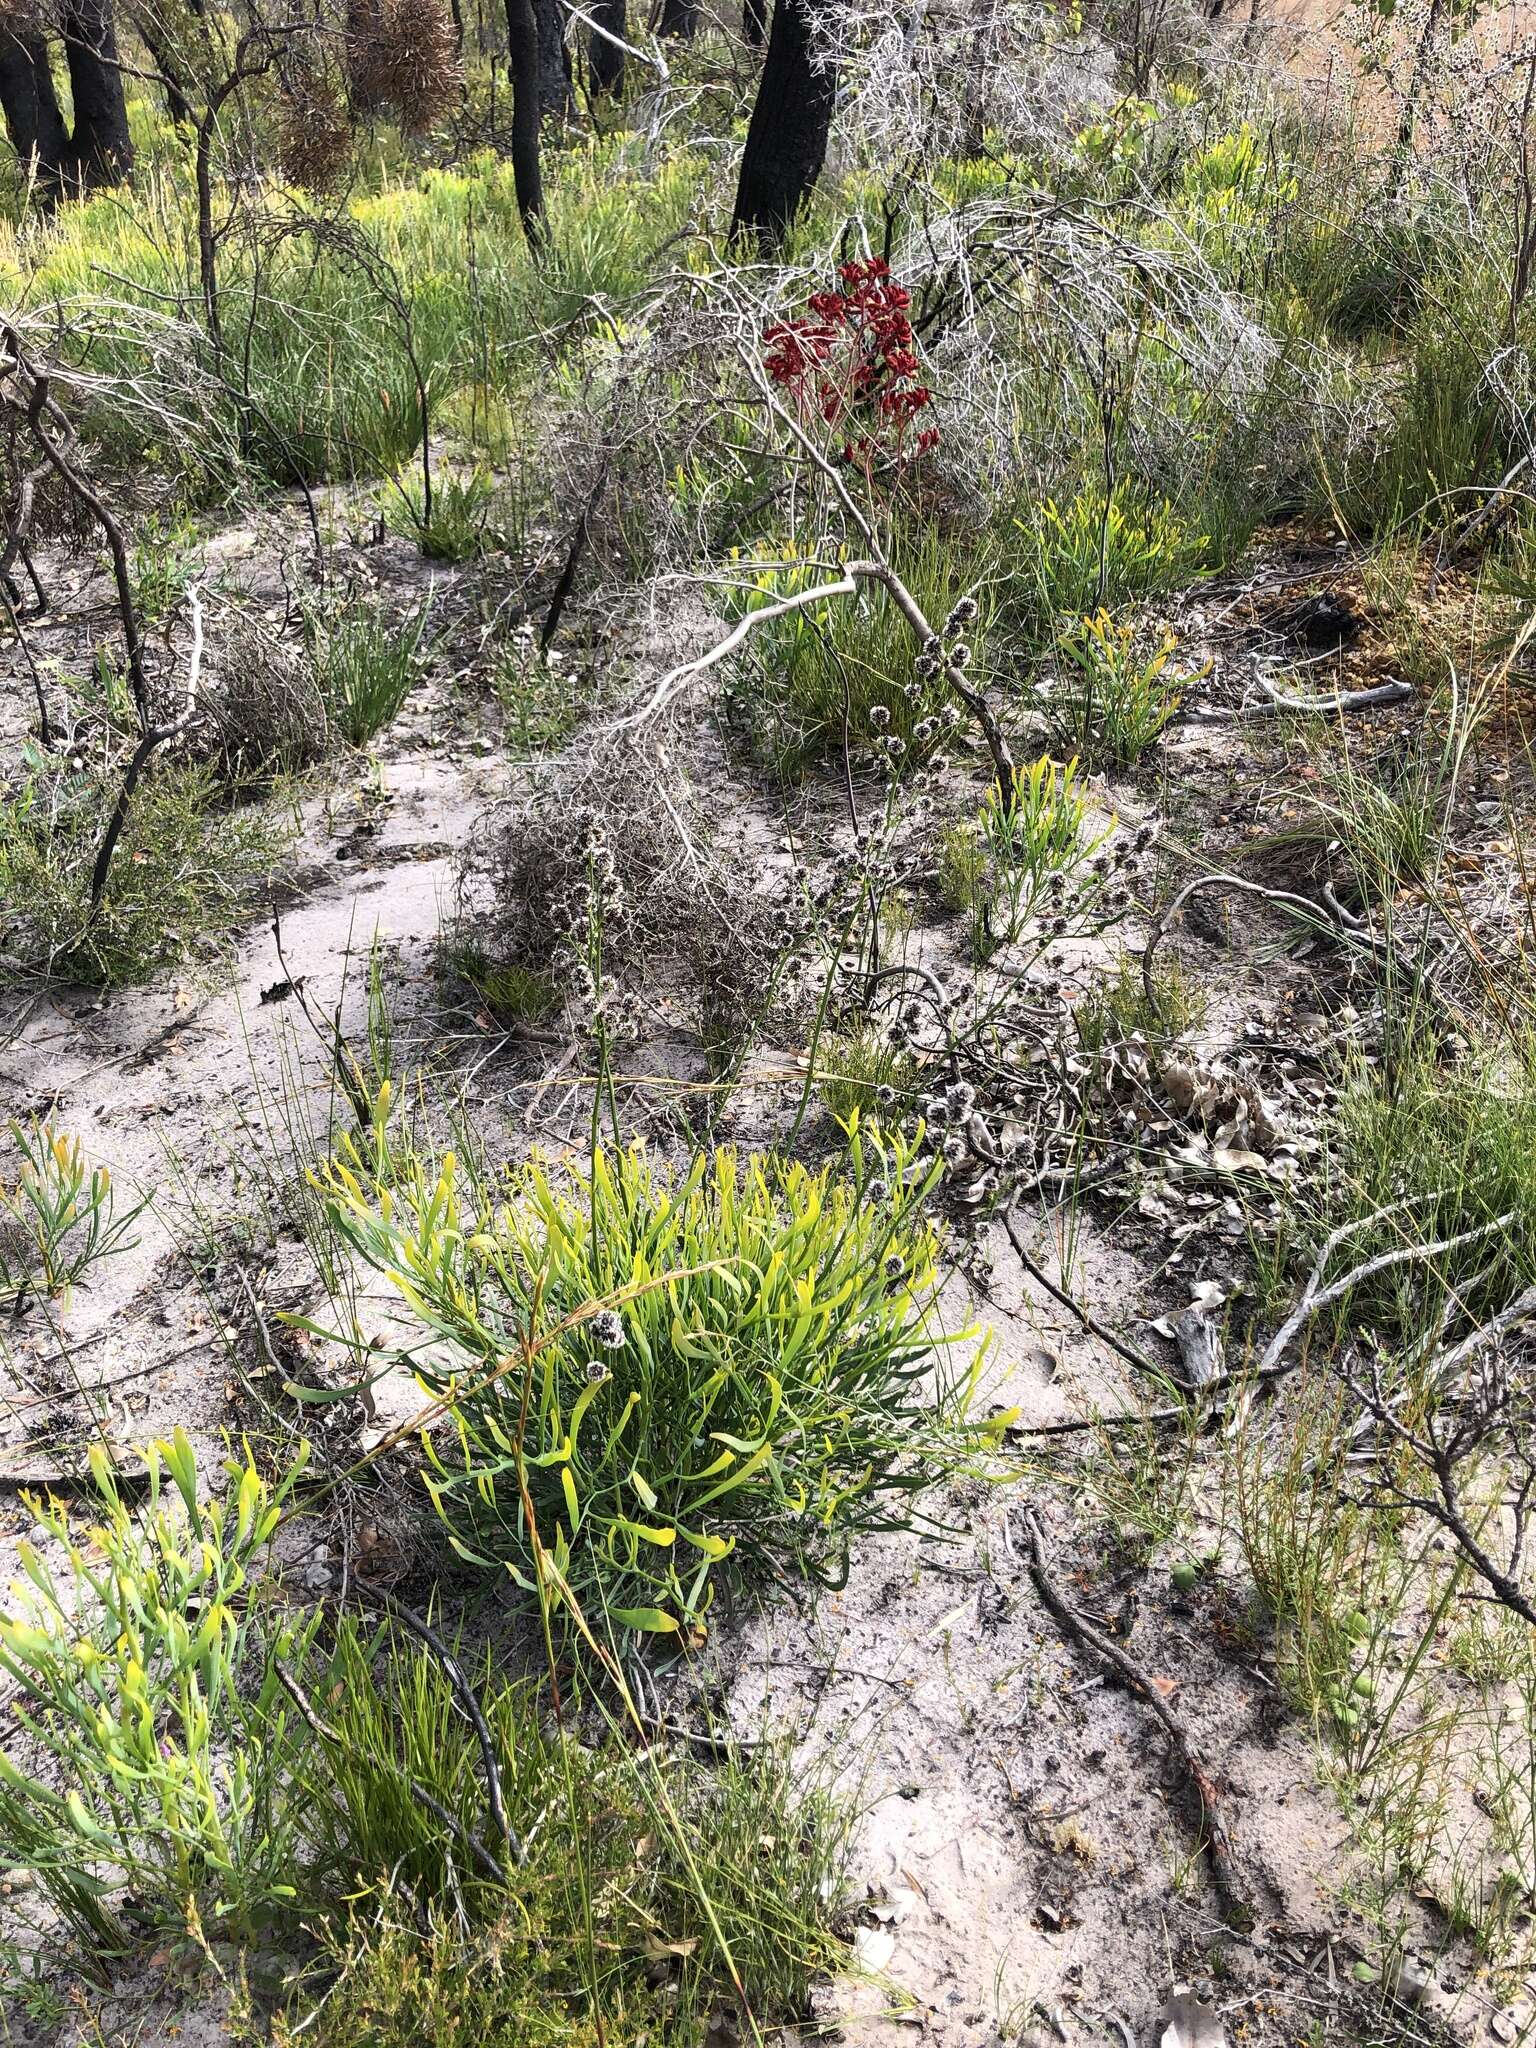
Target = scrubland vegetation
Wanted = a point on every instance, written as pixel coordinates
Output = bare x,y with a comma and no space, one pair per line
768,1196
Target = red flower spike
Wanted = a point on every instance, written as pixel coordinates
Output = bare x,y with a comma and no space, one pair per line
851,356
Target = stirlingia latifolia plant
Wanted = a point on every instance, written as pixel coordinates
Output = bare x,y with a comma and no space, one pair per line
670,1384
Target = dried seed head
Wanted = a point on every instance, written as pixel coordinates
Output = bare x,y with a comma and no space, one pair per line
959,1100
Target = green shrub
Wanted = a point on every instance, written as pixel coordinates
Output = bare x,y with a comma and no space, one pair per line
1360,276
318,339
1306,1539
602,1878
459,524
1512,583
161,566
962,869
1113,695
1100,550
161,1716
1456,1148
1384,822
542,702
1450,427
730,1373
335,397
1021,854
392,1982
213,1768
59,1218
1117,1008
1390,830
512,994
851,662
181,871
368,663
1039,830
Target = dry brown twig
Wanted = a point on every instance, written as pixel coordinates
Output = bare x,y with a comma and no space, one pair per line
1216,1838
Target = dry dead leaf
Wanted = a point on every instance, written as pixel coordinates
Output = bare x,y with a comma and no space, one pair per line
658,1951
1232,1159
874,1947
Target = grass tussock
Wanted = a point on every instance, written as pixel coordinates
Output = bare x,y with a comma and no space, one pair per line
1438,1153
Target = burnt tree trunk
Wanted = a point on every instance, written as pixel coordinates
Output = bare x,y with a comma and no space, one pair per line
527,120
557,101
787,137
98,152
30,106
100,147
679,18
172,83
754,23
605,58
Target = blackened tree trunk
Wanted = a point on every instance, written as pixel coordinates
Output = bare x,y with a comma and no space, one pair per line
527,120
102,151
150,30
557,100
754,23
679,18
787,137
30,106
605,58
98,152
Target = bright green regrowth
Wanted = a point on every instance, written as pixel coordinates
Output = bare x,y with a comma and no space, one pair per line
156,1719
659,1383
59,1217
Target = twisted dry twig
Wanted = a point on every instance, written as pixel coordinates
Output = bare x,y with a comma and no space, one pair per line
1215,1835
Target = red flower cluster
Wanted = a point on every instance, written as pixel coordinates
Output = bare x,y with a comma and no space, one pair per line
850,359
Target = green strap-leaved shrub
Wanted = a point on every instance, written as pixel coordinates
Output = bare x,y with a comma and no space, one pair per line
660,1383
150,1713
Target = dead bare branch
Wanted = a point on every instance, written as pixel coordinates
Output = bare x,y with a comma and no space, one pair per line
156,737
1216,1838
